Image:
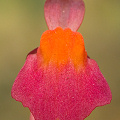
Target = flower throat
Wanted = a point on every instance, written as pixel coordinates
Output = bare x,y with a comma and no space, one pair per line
60,47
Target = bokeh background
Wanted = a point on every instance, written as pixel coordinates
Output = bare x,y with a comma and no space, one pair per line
21,26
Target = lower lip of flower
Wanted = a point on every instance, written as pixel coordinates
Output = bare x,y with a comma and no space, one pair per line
60,47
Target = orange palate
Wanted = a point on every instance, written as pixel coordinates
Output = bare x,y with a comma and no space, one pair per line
60,47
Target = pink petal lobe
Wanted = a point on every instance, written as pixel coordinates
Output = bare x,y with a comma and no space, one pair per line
64,13
51,94
31,117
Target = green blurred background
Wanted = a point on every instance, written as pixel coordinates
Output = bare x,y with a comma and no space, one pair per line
21,26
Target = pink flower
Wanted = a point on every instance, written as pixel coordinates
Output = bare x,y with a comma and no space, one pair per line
58,80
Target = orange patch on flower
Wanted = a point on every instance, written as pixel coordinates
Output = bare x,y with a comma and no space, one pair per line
60,47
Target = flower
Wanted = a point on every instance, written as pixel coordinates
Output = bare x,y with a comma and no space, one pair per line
31,117
58,80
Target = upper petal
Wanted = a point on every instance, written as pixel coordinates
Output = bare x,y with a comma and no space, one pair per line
64,13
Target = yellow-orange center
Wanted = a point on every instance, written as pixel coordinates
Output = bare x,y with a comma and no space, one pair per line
60,47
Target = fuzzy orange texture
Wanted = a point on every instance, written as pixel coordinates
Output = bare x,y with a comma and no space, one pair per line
62,46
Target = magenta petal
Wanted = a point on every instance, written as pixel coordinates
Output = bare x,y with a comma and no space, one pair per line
31,117
33,51
63,95
64,13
